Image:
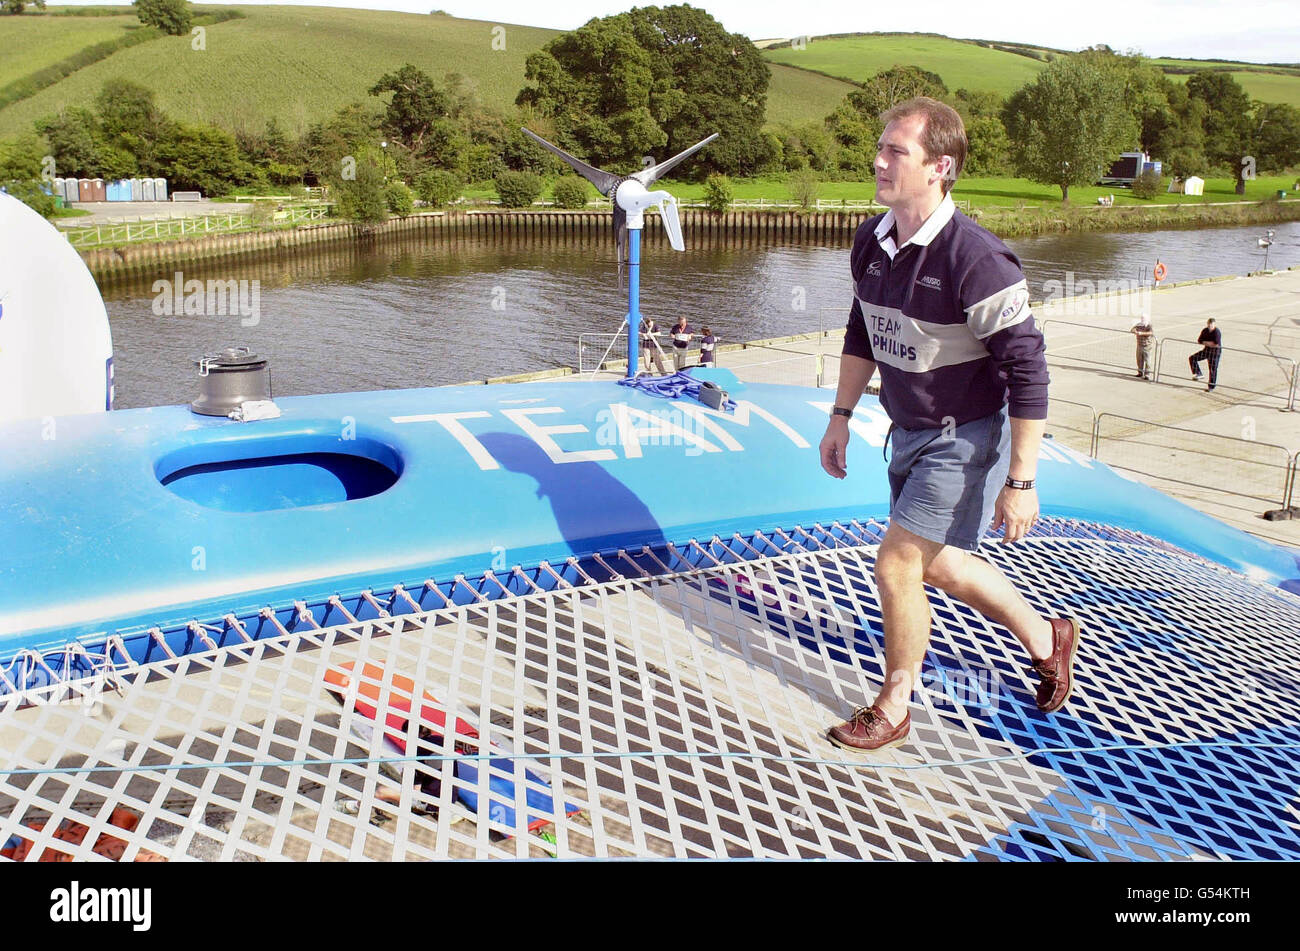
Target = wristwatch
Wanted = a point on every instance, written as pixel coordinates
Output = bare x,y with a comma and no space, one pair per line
1019,483
841,411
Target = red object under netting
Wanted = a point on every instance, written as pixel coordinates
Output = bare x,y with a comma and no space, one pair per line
109,846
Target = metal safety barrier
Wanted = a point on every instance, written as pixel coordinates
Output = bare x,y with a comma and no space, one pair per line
1076,431
1290,486
1116,348
603,351
755,363
1260,374
1288,337
1227,464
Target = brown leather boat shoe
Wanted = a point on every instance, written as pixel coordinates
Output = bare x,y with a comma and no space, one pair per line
1057,671
869,729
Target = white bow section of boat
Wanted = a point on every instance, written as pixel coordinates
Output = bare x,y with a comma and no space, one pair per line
684,715
56,349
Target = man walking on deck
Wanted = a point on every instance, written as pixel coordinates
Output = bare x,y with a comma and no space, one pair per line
1211,341
941,307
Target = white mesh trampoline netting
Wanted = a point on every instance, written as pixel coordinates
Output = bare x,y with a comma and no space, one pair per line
684,715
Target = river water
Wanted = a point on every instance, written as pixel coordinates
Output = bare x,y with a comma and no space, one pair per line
433,311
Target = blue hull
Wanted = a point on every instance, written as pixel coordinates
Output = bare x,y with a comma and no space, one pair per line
154,518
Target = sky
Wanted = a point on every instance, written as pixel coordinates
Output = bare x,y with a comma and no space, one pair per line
1260,31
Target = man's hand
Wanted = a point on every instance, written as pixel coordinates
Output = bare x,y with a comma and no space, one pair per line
834,447
1017,509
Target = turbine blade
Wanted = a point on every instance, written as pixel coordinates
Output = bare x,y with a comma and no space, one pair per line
620,240
672,224
649,175
620,232
604,181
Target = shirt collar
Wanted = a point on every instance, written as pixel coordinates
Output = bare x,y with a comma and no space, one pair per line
924,235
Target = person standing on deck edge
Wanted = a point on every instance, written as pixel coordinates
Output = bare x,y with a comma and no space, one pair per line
942,308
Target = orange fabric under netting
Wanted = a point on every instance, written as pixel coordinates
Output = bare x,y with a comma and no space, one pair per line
109,846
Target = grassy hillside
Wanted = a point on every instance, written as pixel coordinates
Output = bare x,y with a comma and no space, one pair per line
300,64
34,42
1192,65
796,95
1002,67
1269,87
961,63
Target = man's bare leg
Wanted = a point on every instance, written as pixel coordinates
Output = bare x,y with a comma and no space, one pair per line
901,563
972,580
904,562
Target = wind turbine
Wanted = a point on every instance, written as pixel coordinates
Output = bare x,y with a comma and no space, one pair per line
631,197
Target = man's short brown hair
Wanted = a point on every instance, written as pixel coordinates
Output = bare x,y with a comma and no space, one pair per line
943,133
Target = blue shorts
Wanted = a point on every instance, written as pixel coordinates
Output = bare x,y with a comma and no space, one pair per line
944,485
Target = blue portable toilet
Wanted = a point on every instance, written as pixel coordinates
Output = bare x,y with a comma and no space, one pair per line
70,190
160,189
60,189
137,190
146,189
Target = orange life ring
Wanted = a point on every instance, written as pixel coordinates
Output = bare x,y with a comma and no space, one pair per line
1160,271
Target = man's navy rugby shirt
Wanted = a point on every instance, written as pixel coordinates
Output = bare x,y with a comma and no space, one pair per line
946,318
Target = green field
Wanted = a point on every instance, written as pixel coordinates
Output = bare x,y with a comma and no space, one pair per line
968,64
34,42
1267,87
796,95
961,63
1231,64
301,64
298,64
984,192
996,192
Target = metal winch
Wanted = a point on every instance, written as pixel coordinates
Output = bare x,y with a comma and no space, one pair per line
229,379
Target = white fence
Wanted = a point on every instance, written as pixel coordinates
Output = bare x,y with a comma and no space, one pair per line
158,229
